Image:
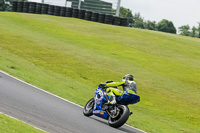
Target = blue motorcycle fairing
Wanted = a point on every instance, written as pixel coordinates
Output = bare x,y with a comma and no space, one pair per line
128,98
100,97
101,113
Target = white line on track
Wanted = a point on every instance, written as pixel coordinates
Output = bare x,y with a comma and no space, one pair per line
55,96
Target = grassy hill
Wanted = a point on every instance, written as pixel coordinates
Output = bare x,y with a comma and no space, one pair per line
10,125
70,57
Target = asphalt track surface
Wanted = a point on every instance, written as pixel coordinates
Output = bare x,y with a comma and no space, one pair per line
49,112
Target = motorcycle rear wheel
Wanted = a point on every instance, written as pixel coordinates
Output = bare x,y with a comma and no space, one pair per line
88,109
121,118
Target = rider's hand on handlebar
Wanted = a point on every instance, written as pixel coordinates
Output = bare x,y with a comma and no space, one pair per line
102,85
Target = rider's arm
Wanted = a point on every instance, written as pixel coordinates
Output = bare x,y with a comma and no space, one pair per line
114,84
134,87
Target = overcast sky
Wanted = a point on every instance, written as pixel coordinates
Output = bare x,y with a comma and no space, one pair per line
180,12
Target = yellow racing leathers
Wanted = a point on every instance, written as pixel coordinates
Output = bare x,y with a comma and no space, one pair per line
127,85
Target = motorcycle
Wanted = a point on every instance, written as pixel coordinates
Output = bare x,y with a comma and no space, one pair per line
116,114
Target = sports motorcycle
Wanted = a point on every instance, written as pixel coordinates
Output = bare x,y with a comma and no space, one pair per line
116,114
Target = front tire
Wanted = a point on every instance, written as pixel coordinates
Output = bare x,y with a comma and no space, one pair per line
121,118
88,109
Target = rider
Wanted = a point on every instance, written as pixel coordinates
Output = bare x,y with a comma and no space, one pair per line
128,84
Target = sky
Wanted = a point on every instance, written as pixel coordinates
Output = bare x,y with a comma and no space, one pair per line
180,12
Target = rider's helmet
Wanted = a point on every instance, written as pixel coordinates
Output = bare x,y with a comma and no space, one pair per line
128,77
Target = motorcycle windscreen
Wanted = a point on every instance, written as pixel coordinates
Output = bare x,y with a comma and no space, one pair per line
128,98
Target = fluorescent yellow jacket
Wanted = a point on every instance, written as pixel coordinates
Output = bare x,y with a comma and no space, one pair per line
129,86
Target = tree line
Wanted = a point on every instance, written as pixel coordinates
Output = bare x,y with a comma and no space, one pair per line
187,31
137,21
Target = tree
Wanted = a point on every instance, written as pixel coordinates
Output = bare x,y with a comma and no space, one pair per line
198,30
185,30
194,32
166,26
150,25
138,21
127,13
5,5
134,21
2,5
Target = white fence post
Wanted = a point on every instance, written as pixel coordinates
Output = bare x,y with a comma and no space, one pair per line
79,4
118,7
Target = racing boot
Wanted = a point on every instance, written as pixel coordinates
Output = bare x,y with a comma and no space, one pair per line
112,100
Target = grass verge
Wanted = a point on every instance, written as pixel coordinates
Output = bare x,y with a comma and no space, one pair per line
10,125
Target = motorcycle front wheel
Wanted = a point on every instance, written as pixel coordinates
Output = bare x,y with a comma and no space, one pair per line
121,118
88,109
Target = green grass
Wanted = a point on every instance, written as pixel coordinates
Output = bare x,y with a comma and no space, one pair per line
10,125
70,57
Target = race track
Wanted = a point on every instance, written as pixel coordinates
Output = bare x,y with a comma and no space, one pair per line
49,112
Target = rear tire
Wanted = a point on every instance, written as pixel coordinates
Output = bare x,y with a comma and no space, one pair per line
121,118
88,109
